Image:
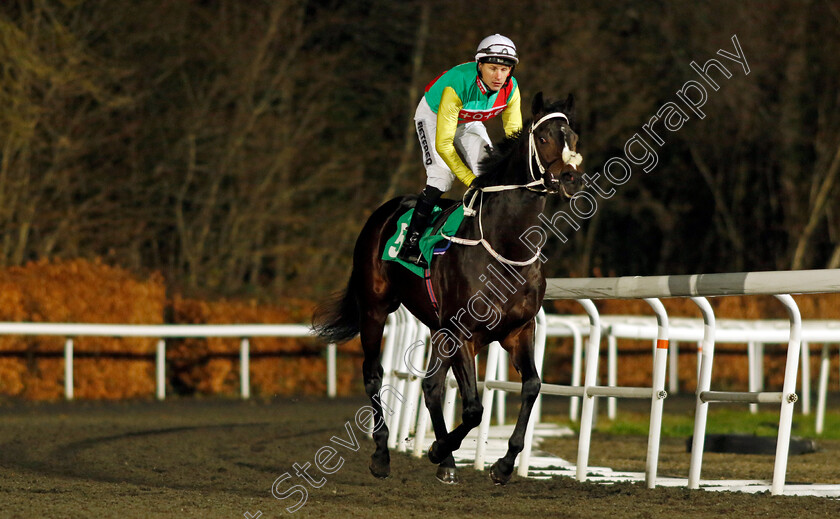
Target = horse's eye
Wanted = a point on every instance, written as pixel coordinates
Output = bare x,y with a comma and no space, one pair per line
542,140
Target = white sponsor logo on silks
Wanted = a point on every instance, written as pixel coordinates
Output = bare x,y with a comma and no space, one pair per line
480,115
427,155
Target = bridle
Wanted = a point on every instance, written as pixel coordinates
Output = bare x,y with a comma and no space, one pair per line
537,184
568,156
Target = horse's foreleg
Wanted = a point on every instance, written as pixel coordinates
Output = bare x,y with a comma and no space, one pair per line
463,367
448,442
434,388
371,330
521,344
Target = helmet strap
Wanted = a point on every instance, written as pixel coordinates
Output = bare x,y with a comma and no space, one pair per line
510,75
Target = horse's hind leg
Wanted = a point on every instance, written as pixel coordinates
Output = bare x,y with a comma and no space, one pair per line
434,387
521,344
371,328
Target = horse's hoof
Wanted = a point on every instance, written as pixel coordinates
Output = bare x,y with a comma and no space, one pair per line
380,470
447,475
435,456
497,476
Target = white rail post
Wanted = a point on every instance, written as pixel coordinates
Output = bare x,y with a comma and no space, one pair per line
674,368
788,394
399,364
589,380
417,380
540,336
699,358
423,413
612,373
331,370
821,397
490,373
244,368
755,356
577,360
536,411
806,378
449,397
390,355
392,331
422,427
660,360
501,397
160,369
414,357
68,368
704,382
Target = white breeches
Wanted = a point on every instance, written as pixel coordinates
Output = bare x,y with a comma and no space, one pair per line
470,141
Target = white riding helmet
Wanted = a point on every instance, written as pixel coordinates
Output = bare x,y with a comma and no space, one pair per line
497,49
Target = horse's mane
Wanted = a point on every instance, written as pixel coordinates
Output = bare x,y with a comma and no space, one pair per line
494,166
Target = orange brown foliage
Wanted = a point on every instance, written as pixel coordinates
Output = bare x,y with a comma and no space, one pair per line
80,291
279,366
77,291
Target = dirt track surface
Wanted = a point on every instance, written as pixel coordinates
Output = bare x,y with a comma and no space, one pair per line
218,458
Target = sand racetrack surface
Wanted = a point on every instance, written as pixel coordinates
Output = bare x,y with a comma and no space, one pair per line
220,458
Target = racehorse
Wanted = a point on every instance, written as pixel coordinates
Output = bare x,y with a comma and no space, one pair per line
489,285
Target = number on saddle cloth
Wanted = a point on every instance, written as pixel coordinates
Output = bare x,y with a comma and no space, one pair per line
446,221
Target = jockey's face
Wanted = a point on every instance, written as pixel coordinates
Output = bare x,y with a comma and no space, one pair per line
494,75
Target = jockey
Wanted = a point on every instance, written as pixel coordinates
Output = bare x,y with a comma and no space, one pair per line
449,121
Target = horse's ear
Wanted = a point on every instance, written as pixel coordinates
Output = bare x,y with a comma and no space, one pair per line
538,104
570,105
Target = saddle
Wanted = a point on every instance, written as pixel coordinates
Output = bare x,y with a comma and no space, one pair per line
446,219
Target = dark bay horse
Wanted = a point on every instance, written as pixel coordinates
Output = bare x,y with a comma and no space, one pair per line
489,285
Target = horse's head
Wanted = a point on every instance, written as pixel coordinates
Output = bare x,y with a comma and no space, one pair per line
553,146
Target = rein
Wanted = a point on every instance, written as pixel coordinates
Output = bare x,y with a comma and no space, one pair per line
569,157
486,244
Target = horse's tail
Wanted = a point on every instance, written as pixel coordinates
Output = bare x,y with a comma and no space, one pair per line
336,320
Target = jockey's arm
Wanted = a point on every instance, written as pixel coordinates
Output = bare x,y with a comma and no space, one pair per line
447,123
512,116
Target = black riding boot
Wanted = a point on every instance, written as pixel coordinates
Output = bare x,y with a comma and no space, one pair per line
410,250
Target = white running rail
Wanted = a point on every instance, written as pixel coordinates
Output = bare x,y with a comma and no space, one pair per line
779,284
164,331
697,287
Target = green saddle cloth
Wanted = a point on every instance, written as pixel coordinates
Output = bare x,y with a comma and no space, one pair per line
427,241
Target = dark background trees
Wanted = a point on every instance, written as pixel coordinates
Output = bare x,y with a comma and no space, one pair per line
237,147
